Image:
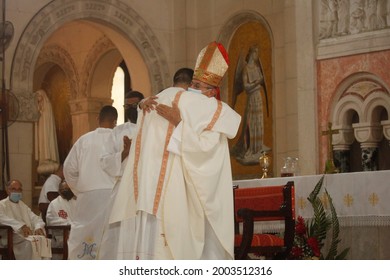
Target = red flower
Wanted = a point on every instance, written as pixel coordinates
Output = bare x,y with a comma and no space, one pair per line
300,227
296,252
313,244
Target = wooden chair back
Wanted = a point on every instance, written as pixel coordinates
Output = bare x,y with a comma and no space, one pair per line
259,205
6,233
65,236
7,252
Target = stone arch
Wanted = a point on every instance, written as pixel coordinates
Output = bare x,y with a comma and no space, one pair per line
363,93
116,14
236,21
232,24
54,54
368,96
343,111
91,63
374,104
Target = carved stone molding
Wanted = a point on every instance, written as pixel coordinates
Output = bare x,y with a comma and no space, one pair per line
100,47
368,135
57,55
386,129
116,14
87,105
28,106
344,138
343,18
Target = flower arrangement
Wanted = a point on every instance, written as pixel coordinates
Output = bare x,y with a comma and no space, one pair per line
310,235
305,247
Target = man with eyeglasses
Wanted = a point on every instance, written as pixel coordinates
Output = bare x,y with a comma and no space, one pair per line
117,146
175,196
29,228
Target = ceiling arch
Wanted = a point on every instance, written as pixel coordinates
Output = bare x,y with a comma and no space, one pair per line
116,16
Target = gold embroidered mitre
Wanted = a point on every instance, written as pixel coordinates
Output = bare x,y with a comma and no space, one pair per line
211,64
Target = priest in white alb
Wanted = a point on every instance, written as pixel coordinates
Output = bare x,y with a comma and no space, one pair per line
93,188
175,198
29,238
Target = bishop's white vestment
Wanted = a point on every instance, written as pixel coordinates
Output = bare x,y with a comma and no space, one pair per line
93,188
179,204
16,215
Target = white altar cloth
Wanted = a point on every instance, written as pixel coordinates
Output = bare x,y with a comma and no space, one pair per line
360,198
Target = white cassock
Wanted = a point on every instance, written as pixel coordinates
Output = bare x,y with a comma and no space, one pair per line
51,185
111,162
59,213
16,215
179,205
93,188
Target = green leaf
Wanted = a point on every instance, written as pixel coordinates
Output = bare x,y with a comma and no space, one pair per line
316,190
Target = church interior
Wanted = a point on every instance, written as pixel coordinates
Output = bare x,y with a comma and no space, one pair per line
325,99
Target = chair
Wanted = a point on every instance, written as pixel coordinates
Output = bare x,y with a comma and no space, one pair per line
49,229
65,236
256,206
7,252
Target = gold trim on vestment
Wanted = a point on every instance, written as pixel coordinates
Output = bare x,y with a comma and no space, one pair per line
163,170
136,160
216,116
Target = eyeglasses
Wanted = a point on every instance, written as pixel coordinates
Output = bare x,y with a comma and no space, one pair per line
197,85
132,105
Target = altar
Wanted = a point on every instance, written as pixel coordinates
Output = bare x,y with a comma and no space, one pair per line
361,200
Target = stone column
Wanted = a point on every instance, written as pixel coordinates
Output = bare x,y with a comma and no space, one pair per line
85,112
368,135
341,147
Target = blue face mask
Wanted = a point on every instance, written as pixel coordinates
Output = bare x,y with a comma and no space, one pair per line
15,197
194,90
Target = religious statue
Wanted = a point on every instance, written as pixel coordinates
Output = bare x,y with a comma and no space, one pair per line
46,147
249,77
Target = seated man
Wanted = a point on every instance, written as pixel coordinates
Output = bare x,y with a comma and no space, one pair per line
29,237
59,213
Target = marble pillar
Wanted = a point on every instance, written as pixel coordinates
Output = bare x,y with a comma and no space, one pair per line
342,160
370,158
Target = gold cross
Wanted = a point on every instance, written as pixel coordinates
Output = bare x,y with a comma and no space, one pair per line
348,200
329,166
373,199
301,202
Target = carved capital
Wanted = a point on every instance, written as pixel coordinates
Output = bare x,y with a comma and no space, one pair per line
28,107
386,129
368,134
344,137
